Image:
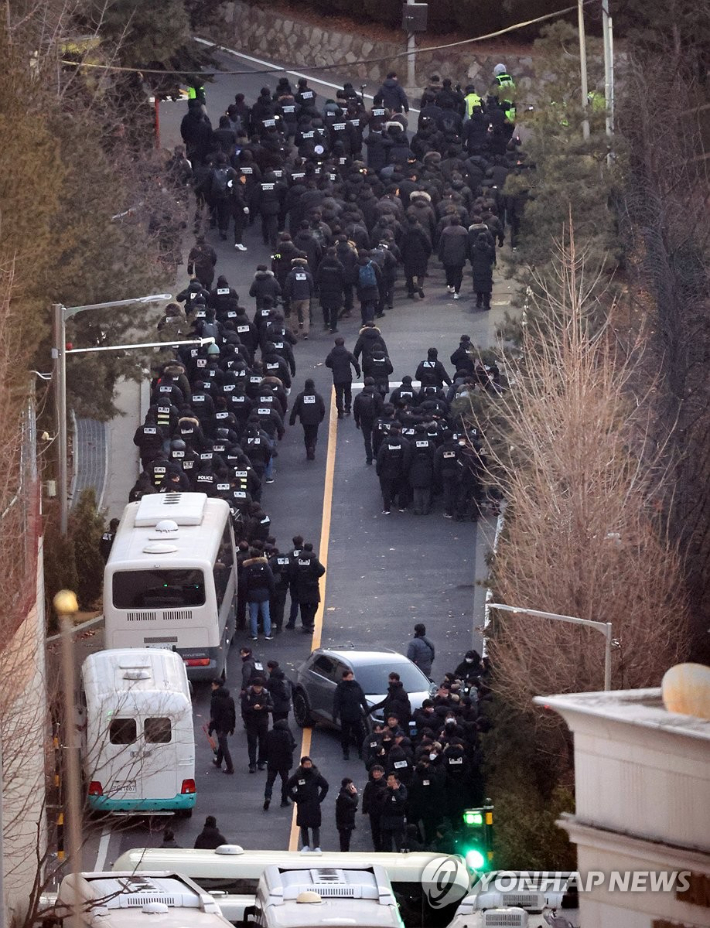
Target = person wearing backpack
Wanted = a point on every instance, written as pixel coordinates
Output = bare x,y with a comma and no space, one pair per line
368,286
366,409
220,191
379,367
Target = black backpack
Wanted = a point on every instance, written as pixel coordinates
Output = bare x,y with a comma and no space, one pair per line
220,183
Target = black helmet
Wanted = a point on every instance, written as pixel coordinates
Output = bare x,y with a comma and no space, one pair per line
177,444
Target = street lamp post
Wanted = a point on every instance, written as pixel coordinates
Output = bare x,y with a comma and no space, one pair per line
583,67
66,605
604,627
60,314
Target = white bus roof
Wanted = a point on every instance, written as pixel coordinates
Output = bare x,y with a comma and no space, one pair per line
185,526
137,676
302,897
161,899
231,860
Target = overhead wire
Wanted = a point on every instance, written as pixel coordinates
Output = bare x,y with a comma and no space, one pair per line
346,66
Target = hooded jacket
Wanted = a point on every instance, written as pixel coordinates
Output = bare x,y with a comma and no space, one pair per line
280,745
299,283
369,338
223,716
264,284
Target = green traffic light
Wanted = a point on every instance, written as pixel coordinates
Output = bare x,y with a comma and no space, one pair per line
473,818
475,860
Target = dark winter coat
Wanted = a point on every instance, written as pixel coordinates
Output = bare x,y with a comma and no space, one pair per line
209,838
369,338
367,406
258,580
349,703
426,795
482,259
280,745
223,716
299,283
310,407
330,279
252,715
432,373
394,808
264,284
421,467
393,461
340,361
396,702
392,96
416,249
307,788
279,688
345,809
307,571
453,246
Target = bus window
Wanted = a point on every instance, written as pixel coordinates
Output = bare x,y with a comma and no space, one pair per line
223,567
158,589
122,731
157,731
234,886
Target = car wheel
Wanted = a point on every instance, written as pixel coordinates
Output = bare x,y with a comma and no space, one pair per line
301,710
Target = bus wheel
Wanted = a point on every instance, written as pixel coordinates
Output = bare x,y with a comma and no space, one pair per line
301,710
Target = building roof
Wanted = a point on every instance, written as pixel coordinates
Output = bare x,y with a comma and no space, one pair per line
643,708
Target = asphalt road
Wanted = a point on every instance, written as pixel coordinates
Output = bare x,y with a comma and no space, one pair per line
384,573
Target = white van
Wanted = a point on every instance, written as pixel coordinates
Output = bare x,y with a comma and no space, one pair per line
303,897
231,874
138,741
129,900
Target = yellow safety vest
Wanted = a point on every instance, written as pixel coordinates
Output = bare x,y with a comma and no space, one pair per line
472,101
505,80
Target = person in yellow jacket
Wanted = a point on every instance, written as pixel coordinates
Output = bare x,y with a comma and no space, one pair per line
471,101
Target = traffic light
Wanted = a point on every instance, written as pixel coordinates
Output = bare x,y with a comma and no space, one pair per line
477,844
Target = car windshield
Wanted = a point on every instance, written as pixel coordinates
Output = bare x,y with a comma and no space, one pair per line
374,677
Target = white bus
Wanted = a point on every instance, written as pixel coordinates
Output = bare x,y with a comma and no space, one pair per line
170,580
231,874
128,900
304,897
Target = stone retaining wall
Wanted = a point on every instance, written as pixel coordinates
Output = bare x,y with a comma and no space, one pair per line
270,34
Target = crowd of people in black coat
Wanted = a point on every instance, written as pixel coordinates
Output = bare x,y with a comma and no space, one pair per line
424,767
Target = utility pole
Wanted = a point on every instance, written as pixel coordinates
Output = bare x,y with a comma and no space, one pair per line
60,314
608,67
583,67
411,57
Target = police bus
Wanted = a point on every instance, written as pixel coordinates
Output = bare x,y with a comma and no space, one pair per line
170,580
231,875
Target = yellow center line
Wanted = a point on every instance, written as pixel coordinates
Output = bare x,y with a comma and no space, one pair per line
323,556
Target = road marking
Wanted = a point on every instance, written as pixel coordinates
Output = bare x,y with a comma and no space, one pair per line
103,849
270,64
323,556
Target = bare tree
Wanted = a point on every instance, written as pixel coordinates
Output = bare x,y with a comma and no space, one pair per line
570,451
